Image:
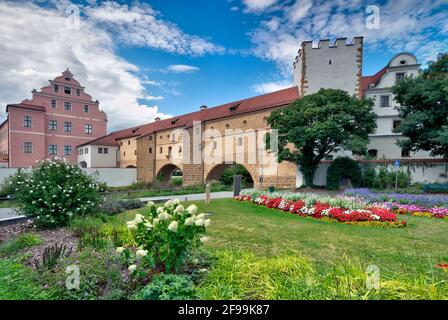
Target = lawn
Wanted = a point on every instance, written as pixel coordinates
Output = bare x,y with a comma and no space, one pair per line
269,232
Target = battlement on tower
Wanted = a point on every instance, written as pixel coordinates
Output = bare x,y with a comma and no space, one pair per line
325,63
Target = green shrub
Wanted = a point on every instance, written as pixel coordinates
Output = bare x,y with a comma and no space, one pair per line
54,192
114,206
167,287
96,238
343,167
21,242
227,176
7,188
166,237
369,177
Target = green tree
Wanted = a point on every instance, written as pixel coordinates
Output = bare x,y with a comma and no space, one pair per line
424,109
319,124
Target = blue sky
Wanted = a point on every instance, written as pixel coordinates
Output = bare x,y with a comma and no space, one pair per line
143,59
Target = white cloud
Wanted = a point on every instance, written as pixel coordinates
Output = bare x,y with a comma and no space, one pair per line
140,25
182,68
418,26
36,47
258,5
267,87
234,8
299,10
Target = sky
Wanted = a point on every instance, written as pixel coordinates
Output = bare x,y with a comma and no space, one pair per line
143,59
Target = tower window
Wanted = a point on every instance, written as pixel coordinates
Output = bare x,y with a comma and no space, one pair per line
56,88
78,92
329,61
27,121
88,129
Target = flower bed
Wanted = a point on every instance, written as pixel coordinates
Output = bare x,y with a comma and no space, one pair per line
370,215
435,206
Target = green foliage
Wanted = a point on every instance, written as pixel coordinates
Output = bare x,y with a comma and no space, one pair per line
424,109
113,206
227,175
100,277
343,167
319,124
167,287
19,283
176,181
96,238
242,275
22,241
369,177
54,192
165,239
7,188
52,255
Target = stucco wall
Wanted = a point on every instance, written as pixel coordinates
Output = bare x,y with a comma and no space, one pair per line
114,177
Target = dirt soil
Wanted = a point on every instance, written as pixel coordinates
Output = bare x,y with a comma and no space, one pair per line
49,238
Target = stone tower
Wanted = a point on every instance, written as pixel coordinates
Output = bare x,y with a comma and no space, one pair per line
335,65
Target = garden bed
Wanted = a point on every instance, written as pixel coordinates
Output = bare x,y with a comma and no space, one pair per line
422,205
342,209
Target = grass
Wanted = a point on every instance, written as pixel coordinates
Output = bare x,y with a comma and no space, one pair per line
18,282
19,243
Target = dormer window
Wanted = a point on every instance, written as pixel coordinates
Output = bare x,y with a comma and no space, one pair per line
233,108
67,90
67,79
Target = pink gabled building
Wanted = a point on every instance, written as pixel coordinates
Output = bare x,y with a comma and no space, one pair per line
57,118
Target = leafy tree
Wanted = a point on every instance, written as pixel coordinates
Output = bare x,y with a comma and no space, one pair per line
424,109
319,124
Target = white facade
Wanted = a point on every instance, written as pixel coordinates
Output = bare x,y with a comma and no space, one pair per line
339,67
98,156
383,141
336,66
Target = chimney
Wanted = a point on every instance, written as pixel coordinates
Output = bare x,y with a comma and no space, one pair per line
203,107
157,119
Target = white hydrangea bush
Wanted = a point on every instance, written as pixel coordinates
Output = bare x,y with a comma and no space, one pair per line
165,237
54,192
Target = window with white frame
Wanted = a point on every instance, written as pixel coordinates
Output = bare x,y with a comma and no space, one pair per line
88,129
67,106
52,149
53,104
27,121
28,147
67,126
52,125
56,88
67,150
78,92
67,90
384,102
86,108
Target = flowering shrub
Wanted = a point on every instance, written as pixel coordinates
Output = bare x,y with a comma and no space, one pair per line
320,209
421,205
54,192
164,239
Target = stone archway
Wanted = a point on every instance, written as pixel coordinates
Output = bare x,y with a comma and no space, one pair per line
216,173
165,173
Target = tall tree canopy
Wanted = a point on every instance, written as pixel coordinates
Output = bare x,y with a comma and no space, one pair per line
424,109
319,124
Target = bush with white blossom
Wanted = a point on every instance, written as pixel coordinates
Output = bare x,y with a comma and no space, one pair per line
54,192
164,239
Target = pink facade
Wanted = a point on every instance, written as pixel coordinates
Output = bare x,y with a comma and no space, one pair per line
56,120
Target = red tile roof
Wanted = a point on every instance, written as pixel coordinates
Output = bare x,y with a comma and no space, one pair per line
366,81
26,106
266,101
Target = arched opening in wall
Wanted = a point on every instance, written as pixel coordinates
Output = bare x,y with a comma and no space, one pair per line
169,175
130,167
83,164
223,173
